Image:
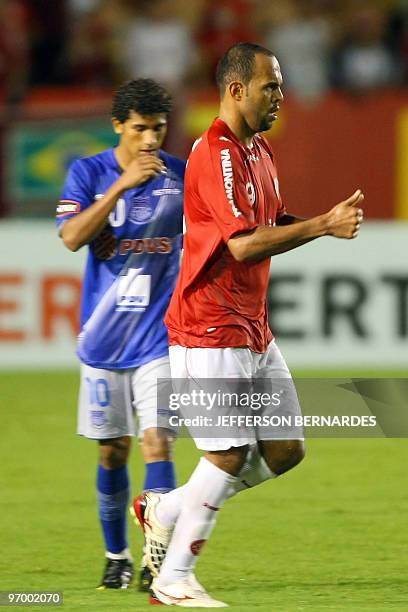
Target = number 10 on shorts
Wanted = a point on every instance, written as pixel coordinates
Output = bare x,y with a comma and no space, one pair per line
98,392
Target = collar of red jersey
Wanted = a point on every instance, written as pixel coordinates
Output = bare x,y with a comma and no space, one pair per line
248,149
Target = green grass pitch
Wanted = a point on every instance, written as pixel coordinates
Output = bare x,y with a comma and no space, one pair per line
330,535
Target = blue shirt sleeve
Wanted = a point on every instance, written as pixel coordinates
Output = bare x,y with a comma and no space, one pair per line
77,193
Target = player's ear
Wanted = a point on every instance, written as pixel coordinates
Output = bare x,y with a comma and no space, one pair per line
117,126
236,90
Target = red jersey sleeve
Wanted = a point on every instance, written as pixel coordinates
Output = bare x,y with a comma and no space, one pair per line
223,188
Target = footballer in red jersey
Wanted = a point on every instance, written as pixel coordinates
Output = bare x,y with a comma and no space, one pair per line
230,188
217,318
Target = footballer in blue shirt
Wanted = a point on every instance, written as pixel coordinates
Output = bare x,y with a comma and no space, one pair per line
126,205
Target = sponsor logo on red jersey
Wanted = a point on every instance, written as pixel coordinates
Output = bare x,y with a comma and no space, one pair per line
251,193
229,180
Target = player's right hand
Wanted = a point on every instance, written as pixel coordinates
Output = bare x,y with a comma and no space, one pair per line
345,218
141,170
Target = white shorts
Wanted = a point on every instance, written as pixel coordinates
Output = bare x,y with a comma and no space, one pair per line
233,363
110,399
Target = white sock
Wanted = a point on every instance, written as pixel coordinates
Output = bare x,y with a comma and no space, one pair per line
169,506
254,472
203,496
124,554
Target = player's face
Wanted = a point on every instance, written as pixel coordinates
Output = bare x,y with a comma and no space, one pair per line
141,134
263,95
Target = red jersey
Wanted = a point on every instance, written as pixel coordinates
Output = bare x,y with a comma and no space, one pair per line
229,189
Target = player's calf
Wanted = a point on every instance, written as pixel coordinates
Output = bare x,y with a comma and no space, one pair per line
282,455
114,453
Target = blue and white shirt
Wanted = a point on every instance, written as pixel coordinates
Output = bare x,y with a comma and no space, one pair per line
132,265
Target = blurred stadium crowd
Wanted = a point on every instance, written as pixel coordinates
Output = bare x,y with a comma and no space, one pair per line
352,45
345,67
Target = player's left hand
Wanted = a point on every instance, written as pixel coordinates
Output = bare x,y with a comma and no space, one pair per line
344,220
141,170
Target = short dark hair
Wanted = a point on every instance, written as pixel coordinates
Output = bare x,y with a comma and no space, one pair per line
143,96
238,64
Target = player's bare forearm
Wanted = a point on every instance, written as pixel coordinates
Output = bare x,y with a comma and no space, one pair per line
81,229
288,219
342,221
266,241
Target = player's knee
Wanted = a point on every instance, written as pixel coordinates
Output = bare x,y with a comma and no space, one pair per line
114,453
157,445
285,455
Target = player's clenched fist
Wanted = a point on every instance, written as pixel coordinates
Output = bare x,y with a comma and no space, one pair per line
140,170
345,218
